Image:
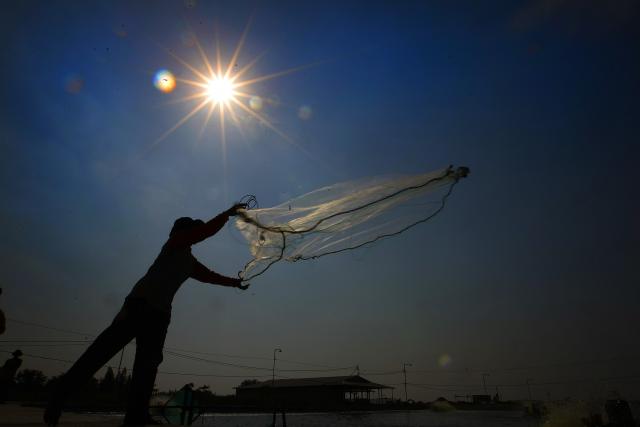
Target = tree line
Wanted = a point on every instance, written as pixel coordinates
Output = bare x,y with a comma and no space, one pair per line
34,385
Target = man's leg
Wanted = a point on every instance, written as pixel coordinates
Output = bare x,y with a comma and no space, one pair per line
149,344
4,388
105,346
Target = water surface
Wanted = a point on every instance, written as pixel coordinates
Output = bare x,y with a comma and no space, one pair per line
376,419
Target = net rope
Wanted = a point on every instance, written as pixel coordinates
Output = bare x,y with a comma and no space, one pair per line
341,217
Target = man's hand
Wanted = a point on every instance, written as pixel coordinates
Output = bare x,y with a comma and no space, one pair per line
233,210
237,283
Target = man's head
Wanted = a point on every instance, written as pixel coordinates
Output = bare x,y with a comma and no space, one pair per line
17,353
184,223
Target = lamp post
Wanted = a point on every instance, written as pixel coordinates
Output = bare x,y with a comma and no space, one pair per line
273,373
404,371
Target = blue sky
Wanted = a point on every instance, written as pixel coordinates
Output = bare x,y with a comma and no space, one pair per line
531,263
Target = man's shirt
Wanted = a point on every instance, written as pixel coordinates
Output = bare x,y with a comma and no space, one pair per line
172,267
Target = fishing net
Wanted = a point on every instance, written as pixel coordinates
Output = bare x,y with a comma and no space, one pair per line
342,217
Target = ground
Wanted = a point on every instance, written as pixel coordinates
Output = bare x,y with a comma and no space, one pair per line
13,414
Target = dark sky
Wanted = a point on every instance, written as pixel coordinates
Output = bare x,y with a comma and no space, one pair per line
529,273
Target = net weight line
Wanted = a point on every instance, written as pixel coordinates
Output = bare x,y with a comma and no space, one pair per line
283,231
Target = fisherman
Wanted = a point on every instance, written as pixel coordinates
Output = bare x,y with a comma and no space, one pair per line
145,316
7,373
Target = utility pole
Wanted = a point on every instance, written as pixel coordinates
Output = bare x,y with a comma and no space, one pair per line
273,386
404,371
484,382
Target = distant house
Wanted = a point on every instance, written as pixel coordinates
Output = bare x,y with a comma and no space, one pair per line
311,393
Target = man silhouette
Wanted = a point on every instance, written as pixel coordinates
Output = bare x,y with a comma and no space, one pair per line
145,316
7,374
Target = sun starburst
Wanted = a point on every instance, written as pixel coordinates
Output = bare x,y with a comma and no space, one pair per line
220,89
223,88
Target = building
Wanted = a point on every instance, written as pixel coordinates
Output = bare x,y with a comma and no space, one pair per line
312,393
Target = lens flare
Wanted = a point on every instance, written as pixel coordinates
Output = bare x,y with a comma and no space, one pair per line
305,112
74,84
255,103
444,360
164,81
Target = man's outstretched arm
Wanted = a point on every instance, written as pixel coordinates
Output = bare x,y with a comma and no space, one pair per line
203,274
201,232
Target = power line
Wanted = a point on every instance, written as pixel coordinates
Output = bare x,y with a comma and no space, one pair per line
525,384
310,364
216,362
531,367
566,364
169,350
235,356
159,372
192,374
232,356
436,387
66,331
39,357
179,352
513,368
257,368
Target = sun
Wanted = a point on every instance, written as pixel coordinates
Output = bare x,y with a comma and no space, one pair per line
220,89
225,89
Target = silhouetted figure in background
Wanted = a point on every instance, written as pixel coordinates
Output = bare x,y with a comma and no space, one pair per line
145,316
3,320
7,373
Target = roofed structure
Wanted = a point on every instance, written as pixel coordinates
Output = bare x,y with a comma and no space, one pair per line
315,393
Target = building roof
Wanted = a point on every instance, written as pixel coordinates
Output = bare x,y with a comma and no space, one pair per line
348,382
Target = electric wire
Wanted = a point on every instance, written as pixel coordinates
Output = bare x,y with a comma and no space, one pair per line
437,387
79,342
181,354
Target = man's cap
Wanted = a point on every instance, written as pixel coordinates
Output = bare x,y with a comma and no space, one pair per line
17,353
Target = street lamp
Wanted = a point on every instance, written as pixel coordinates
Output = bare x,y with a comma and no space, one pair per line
273,376
404,371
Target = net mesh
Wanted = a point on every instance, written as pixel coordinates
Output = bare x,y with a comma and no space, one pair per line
343,217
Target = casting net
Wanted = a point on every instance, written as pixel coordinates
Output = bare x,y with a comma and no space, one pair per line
343,217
